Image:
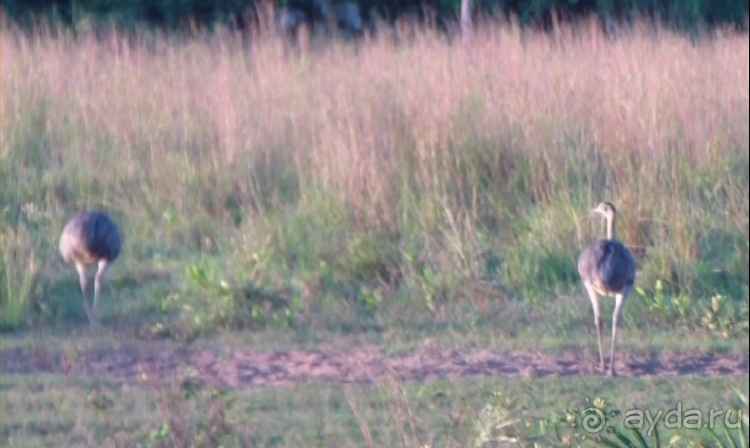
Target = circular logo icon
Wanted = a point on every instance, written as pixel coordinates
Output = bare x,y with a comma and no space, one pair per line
593,420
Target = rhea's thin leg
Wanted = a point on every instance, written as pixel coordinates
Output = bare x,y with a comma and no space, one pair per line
597,321
103,265
84,286
619,302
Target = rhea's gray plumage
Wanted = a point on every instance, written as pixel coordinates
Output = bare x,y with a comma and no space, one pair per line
90,238
607,268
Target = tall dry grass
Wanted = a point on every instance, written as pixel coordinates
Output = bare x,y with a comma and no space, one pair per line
408,162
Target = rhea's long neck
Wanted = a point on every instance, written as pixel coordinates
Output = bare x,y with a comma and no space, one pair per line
611,232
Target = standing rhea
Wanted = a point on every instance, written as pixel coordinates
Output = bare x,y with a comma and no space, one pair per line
90,238
607,268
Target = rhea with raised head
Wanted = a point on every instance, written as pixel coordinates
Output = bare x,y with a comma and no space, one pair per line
607,268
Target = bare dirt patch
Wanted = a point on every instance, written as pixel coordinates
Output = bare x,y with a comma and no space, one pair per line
238,369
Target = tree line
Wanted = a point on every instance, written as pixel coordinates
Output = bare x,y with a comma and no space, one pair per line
357,15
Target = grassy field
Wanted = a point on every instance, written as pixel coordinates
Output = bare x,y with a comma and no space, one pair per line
55,411
401,191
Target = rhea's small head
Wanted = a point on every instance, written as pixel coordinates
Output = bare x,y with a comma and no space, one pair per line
606,209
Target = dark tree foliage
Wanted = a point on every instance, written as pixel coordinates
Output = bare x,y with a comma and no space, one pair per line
176,14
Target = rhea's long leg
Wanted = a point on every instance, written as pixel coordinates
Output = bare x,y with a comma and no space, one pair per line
619,302
102,269
597,321
81,268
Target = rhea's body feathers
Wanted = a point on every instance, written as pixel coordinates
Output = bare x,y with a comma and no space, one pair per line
608,266
90,237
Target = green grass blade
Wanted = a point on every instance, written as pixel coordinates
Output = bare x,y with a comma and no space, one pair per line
639,437
657,439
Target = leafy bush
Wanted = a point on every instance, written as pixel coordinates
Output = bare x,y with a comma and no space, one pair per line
720,315
210,301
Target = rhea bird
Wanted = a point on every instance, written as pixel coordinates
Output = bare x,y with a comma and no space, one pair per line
90,238
607,268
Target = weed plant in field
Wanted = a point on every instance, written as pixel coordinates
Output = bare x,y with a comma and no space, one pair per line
19,268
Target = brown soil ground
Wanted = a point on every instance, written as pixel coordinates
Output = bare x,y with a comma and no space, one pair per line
280,368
